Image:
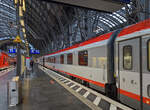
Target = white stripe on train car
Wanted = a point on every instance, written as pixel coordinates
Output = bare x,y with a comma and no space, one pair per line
86,94
68,83
78,89
96,44
113,107
97,100
72,86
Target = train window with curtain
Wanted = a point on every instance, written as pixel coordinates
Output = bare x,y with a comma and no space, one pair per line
148,63
127,57
61,59
83,58
69,58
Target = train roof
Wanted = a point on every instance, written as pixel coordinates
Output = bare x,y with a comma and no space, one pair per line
143,25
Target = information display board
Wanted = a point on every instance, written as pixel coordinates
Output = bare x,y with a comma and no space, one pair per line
12,50
35,51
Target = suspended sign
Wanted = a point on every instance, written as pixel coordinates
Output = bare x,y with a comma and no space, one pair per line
123,1
35,51
12,50
17,39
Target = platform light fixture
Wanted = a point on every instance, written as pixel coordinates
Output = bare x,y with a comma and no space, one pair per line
20,11
25,35
22,22
16,1
23,30
24,6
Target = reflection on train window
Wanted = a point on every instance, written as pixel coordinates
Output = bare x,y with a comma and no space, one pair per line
83,58
69,58
149,55
62,59
127,57
51,59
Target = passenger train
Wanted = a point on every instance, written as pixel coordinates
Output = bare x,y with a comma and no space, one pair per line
116,63
5,60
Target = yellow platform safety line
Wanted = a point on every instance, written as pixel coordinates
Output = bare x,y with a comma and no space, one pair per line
17,39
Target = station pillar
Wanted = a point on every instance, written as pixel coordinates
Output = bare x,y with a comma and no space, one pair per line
18,60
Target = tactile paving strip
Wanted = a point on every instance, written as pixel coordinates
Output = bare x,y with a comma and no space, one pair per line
97,99
4,72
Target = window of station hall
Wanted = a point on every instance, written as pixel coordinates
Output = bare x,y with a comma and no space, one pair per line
62,59
83,58
127,57
148,55
69,58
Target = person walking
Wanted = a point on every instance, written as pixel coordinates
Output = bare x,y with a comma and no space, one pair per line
31,64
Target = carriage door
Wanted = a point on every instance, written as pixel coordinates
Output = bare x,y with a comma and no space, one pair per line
146,71
129,72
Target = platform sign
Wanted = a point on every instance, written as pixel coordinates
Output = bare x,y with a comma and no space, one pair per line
123,1
35,51
12,50
17,39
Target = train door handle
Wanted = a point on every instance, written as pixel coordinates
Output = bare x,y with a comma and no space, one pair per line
148,90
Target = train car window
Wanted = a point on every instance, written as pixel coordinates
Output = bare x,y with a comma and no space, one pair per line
62,59
50,60
83,58
69,58
148,55
54,59
127,57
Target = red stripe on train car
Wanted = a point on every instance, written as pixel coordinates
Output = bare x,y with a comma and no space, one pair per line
129,94
85,79
128,30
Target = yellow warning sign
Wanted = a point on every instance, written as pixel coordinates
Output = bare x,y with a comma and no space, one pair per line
17,39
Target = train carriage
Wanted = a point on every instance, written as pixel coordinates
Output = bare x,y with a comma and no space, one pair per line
3,60
116,63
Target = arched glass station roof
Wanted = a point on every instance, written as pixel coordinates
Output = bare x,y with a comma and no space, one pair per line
7,19
56,26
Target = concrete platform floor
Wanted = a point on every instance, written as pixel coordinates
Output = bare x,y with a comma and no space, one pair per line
43,93
3,89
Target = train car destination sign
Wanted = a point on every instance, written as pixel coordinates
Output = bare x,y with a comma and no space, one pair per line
35,51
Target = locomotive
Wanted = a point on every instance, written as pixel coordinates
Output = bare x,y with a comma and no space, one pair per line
5,60
116,63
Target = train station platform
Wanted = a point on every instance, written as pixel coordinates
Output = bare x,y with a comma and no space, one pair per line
41,92
5,76
44,89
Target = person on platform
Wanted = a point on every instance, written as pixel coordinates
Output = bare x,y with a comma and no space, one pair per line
31,64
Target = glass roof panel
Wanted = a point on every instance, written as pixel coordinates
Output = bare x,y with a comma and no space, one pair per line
7,19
